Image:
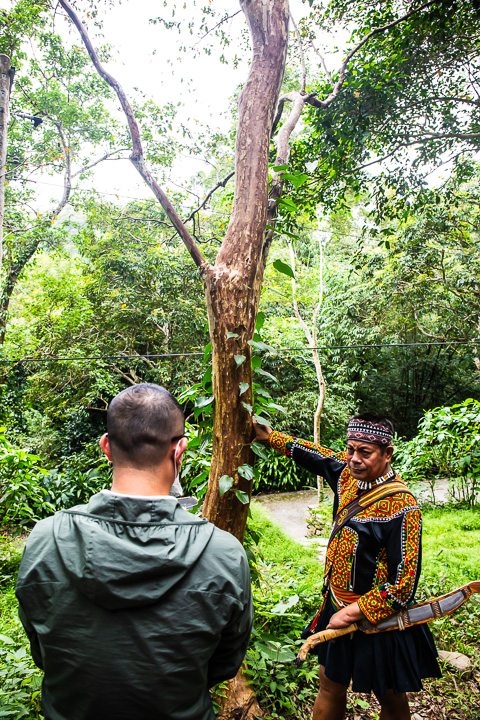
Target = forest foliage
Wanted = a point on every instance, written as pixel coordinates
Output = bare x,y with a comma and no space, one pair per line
381,198
107,285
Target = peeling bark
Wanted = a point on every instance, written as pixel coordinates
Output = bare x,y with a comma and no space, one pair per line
240,702
233,284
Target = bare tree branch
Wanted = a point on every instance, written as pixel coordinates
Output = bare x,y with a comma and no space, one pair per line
96,162
140,219
67,182
207,197
322,60
302,54
214,28
431,335
137,156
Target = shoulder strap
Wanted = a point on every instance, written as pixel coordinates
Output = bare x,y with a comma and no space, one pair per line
364,501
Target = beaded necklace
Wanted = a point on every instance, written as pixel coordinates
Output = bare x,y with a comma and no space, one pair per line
365,485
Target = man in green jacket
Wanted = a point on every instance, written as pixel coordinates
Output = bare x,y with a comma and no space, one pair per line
133,606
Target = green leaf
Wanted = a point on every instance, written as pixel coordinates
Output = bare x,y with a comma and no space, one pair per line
6,639
296,180
275,407
232,335
242,496
286,655
288,203
239,359
266,374
261,420
259,345
260,321
278,168
208,352
224,484
281,607
259,450
246,471
256,362
247,406
283,268
201,402
263,393
207,378
243,387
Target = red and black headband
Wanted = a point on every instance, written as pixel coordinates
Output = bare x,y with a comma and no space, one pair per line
368,431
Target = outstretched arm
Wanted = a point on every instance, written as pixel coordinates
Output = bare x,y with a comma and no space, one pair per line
262,432
308,455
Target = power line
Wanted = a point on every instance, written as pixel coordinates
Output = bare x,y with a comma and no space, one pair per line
55,358
273,351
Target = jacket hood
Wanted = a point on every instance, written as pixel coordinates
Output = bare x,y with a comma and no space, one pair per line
124,552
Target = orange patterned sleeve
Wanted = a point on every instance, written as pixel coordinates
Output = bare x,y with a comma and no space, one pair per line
283,442
318,460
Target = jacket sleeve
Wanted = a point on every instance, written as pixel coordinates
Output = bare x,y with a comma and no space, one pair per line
230,651
403,551
318,460
32,636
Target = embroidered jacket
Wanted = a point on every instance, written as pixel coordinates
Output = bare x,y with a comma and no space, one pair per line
377,554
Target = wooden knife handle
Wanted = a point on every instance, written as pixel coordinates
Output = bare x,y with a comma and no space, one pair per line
320,637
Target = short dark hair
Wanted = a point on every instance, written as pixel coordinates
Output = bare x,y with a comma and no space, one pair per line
142,421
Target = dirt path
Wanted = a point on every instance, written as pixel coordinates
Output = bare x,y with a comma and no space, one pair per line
290,510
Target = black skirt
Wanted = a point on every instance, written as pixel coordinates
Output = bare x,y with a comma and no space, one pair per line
394,660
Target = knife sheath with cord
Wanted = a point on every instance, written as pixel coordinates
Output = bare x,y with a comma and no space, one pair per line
414,615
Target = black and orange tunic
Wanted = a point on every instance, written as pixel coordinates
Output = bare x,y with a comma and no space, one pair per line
374,559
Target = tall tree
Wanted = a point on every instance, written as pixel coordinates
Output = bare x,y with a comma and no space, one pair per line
232,283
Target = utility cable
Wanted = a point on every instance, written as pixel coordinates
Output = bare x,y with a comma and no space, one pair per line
299,350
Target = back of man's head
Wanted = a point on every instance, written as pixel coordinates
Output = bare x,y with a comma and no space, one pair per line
142,422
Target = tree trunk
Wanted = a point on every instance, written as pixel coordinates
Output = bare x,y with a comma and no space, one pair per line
240,701
230,309
232,286
4,105
232,289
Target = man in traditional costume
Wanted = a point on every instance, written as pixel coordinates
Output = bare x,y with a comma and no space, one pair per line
371,571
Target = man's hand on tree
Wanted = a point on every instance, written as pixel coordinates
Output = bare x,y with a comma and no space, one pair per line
262,432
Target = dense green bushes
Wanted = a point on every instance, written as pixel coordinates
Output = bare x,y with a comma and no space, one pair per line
20,679
22,495
447,446
286,592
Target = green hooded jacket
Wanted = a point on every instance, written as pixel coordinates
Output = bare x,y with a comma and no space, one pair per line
134,608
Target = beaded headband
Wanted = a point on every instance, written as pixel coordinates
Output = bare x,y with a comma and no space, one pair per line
370,432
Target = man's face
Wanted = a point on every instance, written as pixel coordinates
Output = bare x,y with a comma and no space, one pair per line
367,461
